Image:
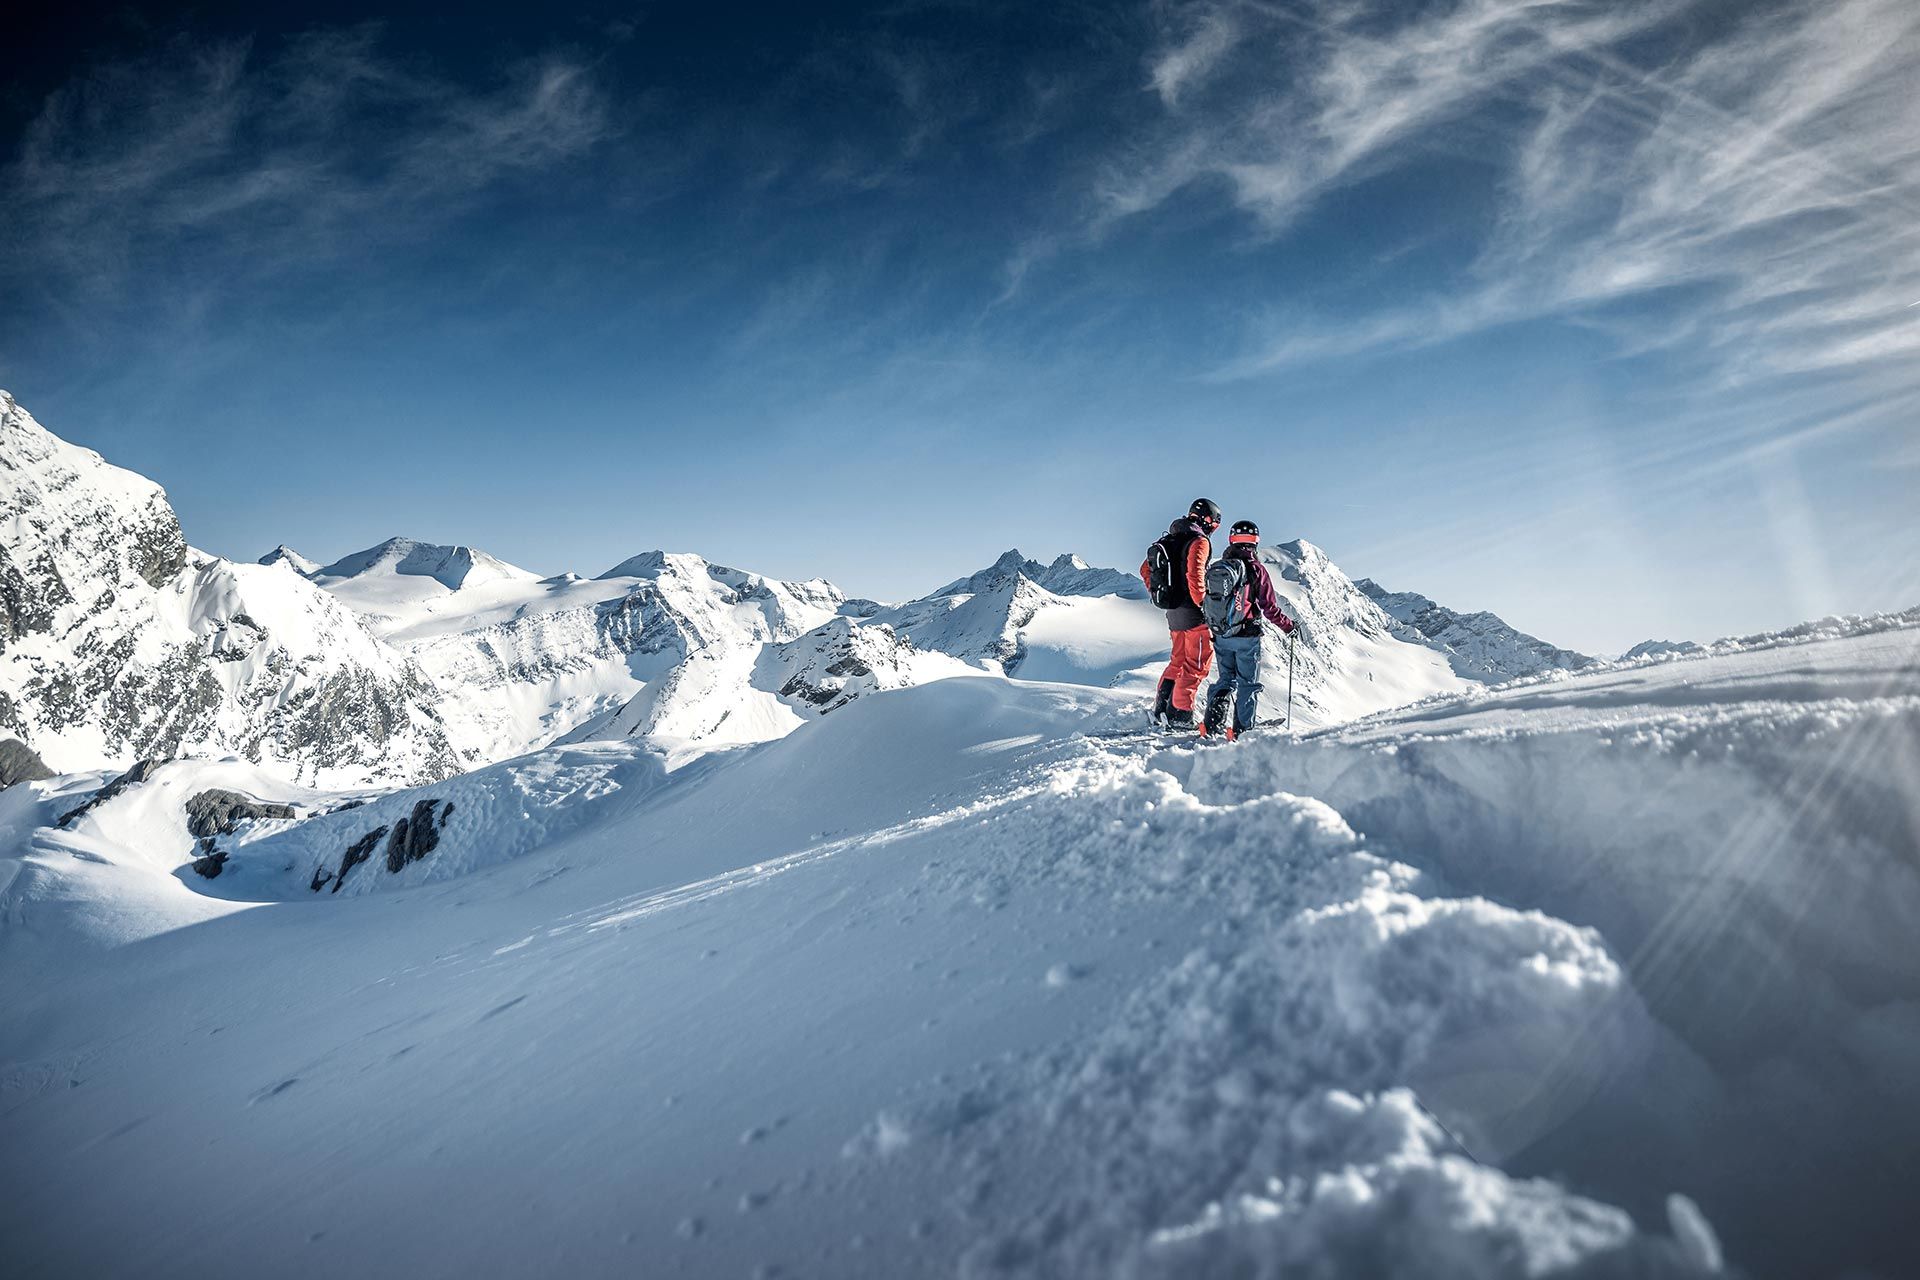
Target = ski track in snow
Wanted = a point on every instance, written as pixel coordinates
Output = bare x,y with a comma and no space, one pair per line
1598,976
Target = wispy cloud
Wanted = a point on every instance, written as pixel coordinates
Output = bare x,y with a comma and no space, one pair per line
273,156
1764,182
1212,36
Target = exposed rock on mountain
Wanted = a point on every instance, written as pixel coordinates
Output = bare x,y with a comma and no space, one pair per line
218,812
139,773
712,625
1481,646
81,532
19,763
120,644
833,664
418,834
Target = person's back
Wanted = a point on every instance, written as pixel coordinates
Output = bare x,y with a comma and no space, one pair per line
1233,702
1175,572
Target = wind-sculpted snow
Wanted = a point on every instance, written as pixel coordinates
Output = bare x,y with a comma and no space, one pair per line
1285,1066
933,986
1742,828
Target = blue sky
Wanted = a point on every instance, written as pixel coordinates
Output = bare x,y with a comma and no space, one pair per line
1602,316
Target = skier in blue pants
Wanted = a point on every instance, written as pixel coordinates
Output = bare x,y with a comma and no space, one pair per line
1239,593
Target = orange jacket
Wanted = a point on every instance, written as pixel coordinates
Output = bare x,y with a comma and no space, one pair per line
1199,553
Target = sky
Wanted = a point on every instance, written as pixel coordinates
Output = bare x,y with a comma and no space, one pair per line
1602,316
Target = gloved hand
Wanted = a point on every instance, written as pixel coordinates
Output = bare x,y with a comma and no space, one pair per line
1286,625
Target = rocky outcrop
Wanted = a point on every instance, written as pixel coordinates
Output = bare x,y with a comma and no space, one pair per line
20,763
408,840
416,835
218,813
131,778
357,852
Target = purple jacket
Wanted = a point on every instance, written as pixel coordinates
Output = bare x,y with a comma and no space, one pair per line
1264,600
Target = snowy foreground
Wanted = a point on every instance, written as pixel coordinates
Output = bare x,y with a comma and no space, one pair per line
1603,975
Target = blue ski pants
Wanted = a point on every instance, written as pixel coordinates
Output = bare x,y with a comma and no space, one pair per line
1239,665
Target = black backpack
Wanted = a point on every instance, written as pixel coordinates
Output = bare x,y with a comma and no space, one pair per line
1163,580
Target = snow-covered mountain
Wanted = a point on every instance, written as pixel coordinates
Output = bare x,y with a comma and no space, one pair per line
1068,575
716,624
1481,645
122,643
1661,649
286,555
400,583
447,657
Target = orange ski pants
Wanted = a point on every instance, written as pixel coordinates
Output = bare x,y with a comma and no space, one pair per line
1192,655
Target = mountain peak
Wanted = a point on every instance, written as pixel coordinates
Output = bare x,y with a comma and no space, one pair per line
1068,575
451,566
286,555
647,564
404,557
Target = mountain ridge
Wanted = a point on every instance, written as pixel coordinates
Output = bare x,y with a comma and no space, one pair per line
493,660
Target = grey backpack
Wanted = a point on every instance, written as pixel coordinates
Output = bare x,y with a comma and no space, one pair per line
1229,601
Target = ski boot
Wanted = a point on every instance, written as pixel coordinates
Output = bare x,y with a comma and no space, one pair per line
1162,703
1219,718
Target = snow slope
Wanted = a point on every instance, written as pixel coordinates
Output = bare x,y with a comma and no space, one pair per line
1525,982
121,643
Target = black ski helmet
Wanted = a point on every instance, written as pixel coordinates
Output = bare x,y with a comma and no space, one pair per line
1207,511
1246,527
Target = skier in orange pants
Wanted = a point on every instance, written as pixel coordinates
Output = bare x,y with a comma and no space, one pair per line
1175,572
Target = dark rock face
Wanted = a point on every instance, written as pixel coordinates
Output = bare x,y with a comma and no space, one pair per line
131,778
415,836
211,864
357,852
408,840
20,763
28,598
218,813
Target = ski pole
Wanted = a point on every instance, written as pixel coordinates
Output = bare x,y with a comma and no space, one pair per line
1289,682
